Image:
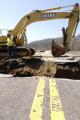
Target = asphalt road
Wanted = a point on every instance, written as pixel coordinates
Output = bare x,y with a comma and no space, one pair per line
17,98
69,91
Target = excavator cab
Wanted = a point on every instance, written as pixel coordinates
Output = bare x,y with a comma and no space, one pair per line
3,32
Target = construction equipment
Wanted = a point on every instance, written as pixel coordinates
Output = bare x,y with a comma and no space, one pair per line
19,30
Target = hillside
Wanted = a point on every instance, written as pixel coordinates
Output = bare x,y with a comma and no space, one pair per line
45,44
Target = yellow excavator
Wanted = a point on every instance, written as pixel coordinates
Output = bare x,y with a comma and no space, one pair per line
19,30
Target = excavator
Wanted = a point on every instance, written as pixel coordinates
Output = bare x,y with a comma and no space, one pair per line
19,31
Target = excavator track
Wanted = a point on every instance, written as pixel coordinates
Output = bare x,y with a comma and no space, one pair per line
20,52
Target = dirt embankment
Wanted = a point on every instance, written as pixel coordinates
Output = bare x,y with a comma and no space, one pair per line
23,67
68,70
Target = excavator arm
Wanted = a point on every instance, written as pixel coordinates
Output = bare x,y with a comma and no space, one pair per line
72,26
36,16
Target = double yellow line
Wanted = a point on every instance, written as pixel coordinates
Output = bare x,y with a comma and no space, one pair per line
55,102
36,111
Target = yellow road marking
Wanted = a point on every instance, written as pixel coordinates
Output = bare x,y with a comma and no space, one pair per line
36,110
55,102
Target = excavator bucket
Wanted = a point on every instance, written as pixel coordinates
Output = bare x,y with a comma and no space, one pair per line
57,50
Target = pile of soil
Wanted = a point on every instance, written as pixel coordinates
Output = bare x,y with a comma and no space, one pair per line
23,67
68,70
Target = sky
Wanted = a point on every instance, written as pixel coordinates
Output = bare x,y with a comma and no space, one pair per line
11,11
